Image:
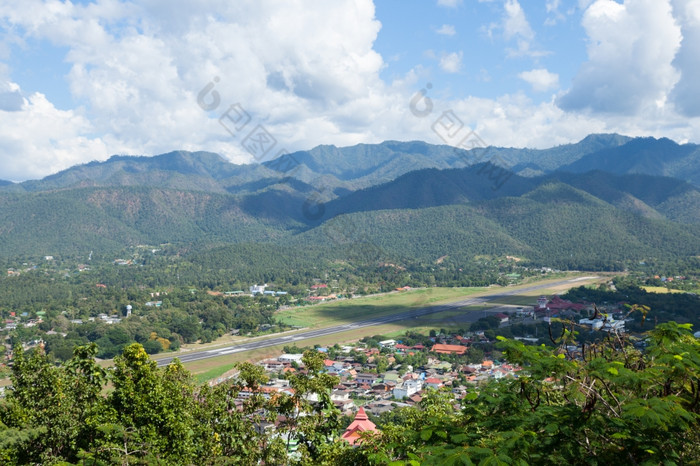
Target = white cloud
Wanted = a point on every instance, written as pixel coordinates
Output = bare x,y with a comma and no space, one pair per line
516,28
39,139
515,23
447,30
552,6
449,3
11,99
553,13
686,94
630,52
540,79
451,62
302,72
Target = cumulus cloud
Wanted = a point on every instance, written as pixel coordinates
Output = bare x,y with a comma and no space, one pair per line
686,94
446,30
138,79
451,62
540,79
515,23
630,52
515,27
51,139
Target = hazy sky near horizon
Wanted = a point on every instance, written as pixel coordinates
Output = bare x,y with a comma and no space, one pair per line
83,80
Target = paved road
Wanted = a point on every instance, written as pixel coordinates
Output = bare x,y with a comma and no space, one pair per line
297,337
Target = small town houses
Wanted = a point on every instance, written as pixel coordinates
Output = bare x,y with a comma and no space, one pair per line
362,386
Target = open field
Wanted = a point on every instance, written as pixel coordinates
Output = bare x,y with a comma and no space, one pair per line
339,312
661,289
326,314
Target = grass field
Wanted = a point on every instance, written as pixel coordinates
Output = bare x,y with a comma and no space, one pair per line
334,312
337,312
661,289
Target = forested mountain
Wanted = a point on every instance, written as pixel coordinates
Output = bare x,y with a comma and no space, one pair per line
554,223
200,171
85,219
649,196
344,169
647,156
424,211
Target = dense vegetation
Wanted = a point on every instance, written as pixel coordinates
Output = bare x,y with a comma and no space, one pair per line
612,404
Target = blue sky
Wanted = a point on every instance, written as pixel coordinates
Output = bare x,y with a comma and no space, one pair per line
83,80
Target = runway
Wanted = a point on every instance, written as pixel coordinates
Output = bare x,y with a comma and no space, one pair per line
308,334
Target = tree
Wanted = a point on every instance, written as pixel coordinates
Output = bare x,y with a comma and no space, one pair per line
151,410
311,417
50,412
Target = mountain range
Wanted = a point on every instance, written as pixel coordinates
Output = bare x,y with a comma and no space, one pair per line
578,205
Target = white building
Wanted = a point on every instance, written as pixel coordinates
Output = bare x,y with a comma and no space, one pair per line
408,388
606,325
258,289
290,358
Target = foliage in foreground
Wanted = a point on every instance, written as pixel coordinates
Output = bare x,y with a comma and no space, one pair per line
613,403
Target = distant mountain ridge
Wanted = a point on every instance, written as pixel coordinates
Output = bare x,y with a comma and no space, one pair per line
350,168
411,199
644,156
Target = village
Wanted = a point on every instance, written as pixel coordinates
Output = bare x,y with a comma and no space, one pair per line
377,377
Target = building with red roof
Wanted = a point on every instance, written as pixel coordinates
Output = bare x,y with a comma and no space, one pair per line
359,425
448,349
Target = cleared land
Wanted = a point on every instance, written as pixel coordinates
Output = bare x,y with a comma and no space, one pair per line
348,310
339,312
661,289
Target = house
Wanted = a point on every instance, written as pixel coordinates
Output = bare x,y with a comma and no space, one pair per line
291,358
415,399
503,318
340,395
359,425
387,343
364,378
433,382
333,367
448,349
391,376
408,389
344,406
